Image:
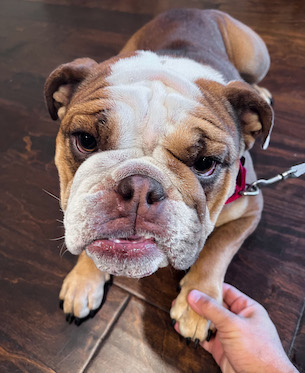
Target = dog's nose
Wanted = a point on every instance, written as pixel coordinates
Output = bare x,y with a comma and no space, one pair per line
141,189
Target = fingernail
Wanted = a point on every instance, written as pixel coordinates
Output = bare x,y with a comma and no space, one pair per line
195,295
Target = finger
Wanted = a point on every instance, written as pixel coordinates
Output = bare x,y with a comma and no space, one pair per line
235,299
208,346
230,293
215,348
210,309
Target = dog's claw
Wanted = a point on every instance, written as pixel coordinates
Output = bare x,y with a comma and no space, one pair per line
173,322
210,332
92,313
108,283
61,304
77,321
188,341
271,101
197,341
69,318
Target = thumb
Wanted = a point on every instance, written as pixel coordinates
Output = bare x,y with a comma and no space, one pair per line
210,309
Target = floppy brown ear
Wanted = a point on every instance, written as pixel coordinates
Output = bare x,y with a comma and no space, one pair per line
62,83
253,112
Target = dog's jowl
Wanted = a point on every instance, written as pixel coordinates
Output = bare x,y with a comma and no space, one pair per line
152,146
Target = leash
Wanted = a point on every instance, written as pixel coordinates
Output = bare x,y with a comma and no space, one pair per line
254,188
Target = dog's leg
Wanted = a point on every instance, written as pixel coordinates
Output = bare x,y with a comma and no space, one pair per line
207,274
83,288
247,51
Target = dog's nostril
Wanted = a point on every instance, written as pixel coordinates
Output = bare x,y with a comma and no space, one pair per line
155,195
128,195
125,189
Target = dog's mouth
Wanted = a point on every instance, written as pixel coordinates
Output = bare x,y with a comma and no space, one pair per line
135,256
123,248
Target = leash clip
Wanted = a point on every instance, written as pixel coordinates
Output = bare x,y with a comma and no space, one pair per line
293,172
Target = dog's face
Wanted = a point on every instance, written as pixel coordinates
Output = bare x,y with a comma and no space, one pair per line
148,153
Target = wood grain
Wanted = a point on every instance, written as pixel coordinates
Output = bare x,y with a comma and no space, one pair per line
144,332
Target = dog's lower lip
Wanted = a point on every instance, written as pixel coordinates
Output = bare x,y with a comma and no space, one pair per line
133,256
130,239
123,248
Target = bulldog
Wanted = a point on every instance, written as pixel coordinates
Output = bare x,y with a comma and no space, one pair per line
152,152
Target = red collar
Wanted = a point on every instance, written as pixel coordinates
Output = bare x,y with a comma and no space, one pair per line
240,182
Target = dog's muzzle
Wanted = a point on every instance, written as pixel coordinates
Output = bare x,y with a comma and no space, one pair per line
135,193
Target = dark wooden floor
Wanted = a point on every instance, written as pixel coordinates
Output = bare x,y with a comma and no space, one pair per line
132,332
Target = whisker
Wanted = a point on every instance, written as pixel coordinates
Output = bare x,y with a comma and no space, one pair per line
60,221
57,239
63,250
51,194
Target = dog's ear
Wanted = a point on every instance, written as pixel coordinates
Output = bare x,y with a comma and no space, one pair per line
62,83
253,112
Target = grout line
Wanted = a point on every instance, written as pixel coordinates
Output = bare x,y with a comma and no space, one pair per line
105,334
141,297
296,330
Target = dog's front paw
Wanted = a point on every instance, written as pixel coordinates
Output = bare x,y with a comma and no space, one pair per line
190,324
82,293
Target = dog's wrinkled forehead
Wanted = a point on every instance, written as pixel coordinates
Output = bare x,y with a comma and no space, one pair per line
150,96
153,93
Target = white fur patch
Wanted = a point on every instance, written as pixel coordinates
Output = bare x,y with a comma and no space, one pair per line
179,73
153,94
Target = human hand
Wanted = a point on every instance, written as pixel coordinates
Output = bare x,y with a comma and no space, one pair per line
246,339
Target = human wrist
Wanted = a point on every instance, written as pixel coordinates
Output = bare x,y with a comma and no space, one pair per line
281,366
289,368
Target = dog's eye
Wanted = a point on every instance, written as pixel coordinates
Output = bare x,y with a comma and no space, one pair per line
85,142
205,166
